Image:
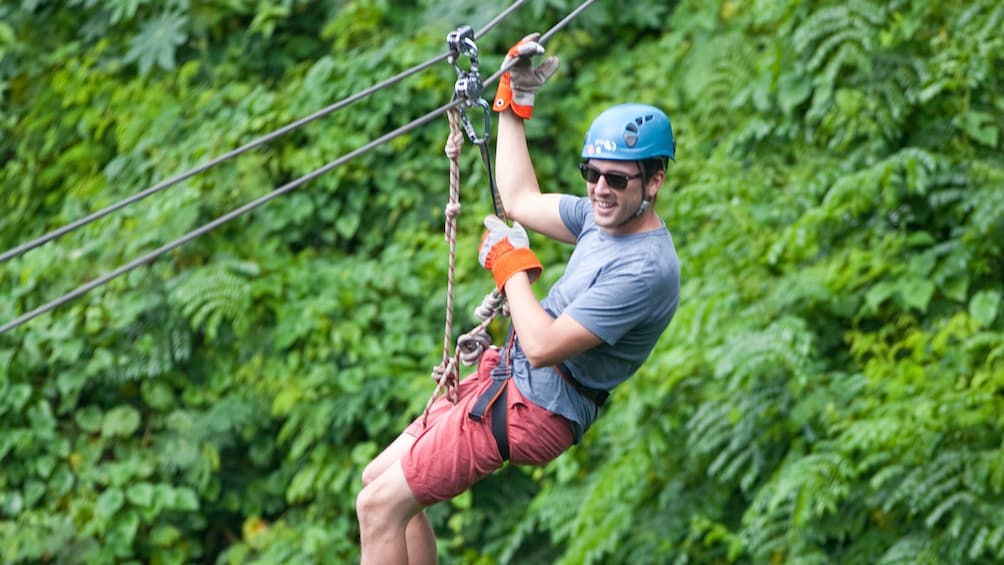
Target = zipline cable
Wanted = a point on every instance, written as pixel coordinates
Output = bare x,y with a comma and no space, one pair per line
25,247
546,37
205,228
288,187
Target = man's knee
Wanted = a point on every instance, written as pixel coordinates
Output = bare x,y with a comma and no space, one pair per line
367,505
386,500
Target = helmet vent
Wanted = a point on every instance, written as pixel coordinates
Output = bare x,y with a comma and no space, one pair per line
631,134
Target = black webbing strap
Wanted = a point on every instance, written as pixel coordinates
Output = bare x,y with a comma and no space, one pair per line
494,399
500,428
496,197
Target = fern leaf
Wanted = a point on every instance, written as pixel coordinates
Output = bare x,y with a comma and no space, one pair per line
783,348
910,550
214,294
767,524
604,515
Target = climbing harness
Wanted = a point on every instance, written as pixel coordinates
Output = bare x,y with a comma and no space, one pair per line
495,399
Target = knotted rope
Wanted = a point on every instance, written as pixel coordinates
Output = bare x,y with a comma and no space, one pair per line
472,345
446,374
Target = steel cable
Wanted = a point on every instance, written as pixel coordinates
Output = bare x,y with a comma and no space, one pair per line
25,247
205,228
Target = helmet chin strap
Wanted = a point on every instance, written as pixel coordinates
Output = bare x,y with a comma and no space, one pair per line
642,208
645,202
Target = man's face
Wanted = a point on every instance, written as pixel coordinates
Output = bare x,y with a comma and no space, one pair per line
613,206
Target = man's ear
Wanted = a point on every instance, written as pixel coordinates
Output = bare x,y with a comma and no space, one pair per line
655,183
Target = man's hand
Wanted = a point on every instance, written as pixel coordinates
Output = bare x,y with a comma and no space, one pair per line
518,86
505,251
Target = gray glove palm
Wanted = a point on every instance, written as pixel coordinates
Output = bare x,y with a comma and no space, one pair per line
518,85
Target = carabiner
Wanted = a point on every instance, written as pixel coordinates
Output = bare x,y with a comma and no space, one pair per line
469,128
461,41
469,85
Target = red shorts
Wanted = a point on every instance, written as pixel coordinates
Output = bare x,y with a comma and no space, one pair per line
453,451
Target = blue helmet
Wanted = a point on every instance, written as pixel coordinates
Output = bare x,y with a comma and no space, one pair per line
630,132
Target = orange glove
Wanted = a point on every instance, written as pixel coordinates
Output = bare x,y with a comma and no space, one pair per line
505,251
518,86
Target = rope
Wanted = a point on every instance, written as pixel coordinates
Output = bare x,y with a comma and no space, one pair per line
446,374
25,247
472,345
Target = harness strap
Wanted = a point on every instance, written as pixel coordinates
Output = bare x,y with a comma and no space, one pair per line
494,398
496,197
500,424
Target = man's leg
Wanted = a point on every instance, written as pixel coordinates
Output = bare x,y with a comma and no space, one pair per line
385,507
421,539
387,498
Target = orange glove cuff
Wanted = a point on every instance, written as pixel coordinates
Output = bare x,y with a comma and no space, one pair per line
503,99
503,94
513,260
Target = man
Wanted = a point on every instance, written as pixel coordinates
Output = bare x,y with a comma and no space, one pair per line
532,400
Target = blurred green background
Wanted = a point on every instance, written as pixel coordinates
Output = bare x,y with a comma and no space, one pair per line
831,390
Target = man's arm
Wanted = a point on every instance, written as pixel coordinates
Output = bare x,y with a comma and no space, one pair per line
545,340
517,181
505,251
518,186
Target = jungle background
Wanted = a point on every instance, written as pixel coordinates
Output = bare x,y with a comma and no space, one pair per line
830,391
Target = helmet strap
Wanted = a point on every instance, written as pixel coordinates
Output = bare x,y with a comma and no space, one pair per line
645,202
644,190
642,208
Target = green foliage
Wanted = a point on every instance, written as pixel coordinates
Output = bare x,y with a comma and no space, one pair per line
156,42
829,391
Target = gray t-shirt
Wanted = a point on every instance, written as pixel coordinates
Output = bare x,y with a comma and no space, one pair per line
624,289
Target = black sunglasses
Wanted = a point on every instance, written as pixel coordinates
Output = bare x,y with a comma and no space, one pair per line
614,180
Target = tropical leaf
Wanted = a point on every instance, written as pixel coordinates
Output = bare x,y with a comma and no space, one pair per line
158,42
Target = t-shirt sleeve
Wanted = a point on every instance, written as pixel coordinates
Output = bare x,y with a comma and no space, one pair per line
619,300
574,212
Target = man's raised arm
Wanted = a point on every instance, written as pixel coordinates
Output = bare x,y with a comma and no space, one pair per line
515,176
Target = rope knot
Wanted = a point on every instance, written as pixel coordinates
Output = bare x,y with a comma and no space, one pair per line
453,144
489,305
471,346
445,374
455,140
446,377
